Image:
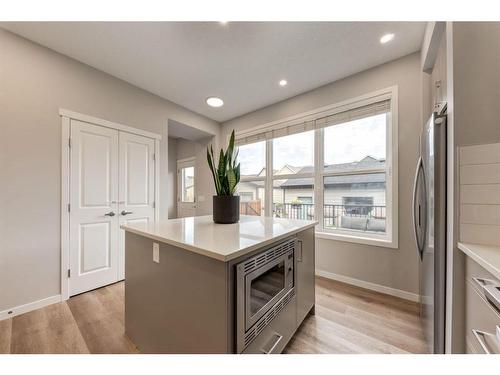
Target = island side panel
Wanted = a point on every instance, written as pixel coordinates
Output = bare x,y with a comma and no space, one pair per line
306,264
178,305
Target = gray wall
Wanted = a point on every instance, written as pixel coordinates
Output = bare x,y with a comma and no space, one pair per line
172,178
476,80
185,149
35,83
395,268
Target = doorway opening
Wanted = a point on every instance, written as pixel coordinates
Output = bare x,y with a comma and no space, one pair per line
187,166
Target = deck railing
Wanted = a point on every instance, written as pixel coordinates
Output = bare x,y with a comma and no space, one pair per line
342,216
347,216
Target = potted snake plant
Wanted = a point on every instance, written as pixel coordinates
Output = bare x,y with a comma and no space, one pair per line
226,175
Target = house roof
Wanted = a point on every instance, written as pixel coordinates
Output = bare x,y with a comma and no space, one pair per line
366,164
338,180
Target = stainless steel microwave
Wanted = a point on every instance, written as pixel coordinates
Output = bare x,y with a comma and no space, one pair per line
262,282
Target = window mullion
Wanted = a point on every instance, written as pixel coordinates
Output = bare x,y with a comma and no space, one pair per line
269,178
318,171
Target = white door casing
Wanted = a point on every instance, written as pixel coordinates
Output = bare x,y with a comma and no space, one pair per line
106,168
93,218
186,187
136,186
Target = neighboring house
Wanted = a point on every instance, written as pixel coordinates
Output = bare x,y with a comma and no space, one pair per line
353,195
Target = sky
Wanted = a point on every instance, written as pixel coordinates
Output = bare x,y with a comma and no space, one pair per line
344,143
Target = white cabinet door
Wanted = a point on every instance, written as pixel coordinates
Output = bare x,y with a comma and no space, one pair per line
137,186
93,199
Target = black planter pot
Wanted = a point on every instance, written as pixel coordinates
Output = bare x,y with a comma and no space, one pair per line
226,209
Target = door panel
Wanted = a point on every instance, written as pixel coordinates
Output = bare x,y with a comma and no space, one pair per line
94,192
95,247
136,169
95,154
137,186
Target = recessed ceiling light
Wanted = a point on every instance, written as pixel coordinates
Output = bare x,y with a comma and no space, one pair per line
386,38
223,22
283,82
215,102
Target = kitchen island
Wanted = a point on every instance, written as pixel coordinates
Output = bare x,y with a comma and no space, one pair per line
193,286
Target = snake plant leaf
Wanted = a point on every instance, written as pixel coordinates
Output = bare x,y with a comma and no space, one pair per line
222,173
225,172
231,180
237,172
236,177
212,169
230,149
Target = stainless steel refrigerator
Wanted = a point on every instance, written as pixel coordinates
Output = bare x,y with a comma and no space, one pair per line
429,219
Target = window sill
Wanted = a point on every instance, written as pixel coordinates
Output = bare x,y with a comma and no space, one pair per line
357,239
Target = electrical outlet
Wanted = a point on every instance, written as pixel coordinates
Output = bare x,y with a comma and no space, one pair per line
156,252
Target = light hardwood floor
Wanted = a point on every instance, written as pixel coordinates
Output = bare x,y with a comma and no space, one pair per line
348,319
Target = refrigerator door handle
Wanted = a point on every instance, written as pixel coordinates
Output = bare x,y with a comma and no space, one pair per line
418,211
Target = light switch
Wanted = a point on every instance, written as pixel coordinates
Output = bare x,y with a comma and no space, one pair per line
156,252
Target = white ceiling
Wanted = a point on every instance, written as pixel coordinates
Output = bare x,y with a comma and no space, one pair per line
241,62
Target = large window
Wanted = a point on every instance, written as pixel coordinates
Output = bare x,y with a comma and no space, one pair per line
338,171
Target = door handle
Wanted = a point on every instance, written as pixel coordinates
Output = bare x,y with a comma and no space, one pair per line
418,228
126,213
110,214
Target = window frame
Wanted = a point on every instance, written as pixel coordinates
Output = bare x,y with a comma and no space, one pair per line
390,237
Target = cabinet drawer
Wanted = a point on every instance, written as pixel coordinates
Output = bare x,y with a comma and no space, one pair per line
478,276
273,339
480,316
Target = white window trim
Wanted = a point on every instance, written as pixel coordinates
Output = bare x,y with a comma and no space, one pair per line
390,239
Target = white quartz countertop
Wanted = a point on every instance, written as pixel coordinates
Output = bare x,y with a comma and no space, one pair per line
486,256
220,241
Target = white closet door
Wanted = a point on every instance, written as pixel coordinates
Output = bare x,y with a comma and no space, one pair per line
137,186
93,198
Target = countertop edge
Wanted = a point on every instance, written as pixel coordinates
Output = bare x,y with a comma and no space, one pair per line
213,255
474,251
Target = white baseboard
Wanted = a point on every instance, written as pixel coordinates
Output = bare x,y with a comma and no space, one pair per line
367,285
18,310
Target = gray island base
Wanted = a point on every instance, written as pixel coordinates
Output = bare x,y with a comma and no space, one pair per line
193,286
